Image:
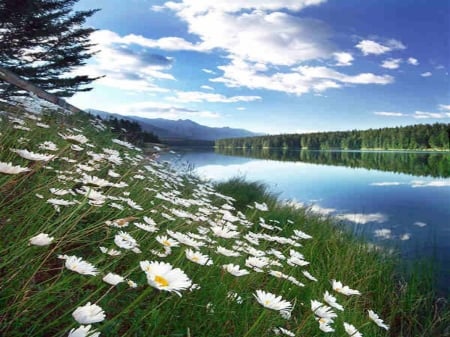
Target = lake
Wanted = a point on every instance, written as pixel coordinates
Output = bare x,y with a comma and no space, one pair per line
398,200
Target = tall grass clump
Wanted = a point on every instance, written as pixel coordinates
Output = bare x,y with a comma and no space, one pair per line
98,238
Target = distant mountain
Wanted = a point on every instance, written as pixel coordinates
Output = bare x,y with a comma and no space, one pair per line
181,129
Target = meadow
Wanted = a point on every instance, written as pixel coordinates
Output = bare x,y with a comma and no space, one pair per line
97,237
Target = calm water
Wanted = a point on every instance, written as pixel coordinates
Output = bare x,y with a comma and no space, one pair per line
400,200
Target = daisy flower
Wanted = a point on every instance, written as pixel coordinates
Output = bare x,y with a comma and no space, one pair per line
75,138
198,257
163,276
41,239
226,252
8,168
351,330
378,321
89,313
83,331
331,300
235,270
113,279
271,301
77,264
338,287
167,242
111,252
322,310
309,276
126,241
32,155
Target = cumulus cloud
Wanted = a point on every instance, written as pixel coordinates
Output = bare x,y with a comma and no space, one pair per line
208,71
383,233
390,114
433,183
427,115
426,74
124,67
254,30
188,8
207,87
361,218
299,80
152,109
368,47
391,63
198,96
386,183
343,59
444,107
413,61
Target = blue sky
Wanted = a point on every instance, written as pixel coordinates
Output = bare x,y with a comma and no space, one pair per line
274,66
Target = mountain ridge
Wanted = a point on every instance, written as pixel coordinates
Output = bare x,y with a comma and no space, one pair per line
167,129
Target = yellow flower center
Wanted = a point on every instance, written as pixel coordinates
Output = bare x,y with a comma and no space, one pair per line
162,282
195,258
266,302
166,243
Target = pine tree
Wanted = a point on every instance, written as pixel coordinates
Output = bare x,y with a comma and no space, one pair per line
42,41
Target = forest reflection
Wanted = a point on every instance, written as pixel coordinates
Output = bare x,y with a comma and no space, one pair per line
433,164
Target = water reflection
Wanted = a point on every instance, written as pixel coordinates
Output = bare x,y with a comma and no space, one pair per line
433,164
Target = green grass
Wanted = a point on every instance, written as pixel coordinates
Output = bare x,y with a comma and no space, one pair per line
38,293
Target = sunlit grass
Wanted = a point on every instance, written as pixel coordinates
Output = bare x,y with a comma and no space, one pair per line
190,294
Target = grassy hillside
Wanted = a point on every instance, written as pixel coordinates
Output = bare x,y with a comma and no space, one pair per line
93,235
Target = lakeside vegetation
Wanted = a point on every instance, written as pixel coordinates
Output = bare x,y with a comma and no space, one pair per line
92,233
434,164
413,137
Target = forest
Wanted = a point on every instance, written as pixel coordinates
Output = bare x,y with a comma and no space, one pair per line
414,137
434,164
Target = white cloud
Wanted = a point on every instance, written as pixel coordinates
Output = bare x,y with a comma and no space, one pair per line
343,59
387,183
208,71
383,233
187,8
299,81
391,63
389,114
368,47
152,109
207,87
426,74
405,236
434,115
444,107
413,61
254,30
198,96
123,67
433,183
419,224
241,108
361,218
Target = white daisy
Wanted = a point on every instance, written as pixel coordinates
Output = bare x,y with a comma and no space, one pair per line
77,264
235,270
41,239
378,321
163,276
272,301
32,155
338,287
8,168
351,330
198,257
113,279
89,313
